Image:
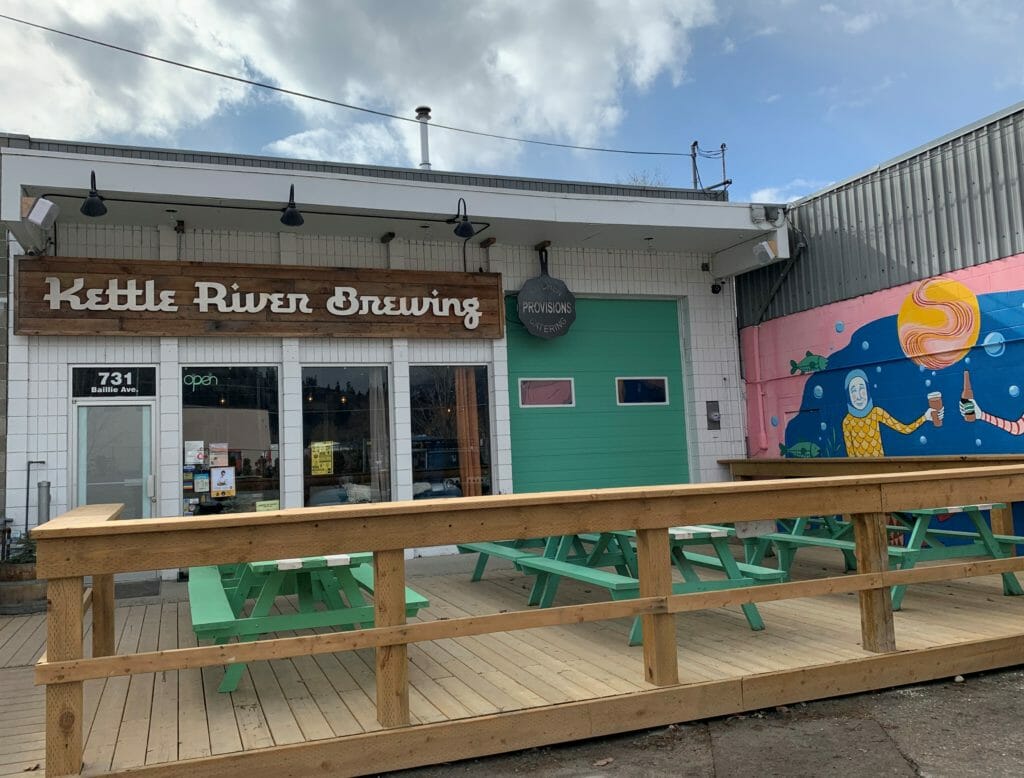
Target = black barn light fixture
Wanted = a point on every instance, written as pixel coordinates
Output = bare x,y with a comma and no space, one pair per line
463,226
464,229
93,205
290,216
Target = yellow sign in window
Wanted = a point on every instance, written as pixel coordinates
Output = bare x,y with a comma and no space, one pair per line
322,458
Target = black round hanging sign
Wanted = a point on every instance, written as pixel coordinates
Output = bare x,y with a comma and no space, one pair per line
546,307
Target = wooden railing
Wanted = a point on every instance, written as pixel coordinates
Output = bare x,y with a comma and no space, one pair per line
91,541
797,467
759,469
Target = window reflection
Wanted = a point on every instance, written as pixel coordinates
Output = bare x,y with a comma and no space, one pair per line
450,431
345,435
230,439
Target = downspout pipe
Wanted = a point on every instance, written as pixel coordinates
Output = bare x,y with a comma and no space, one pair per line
28,481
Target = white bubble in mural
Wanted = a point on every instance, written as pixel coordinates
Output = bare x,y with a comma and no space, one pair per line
967,360
927,382
819,392
922,440
1014,391
933,372
995,344
775,421
921,368
840,326
824,427
865,345
977,442
878,368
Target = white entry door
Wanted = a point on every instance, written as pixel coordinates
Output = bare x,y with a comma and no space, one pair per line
114,457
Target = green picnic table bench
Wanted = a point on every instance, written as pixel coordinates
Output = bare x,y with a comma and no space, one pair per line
506,549
218,596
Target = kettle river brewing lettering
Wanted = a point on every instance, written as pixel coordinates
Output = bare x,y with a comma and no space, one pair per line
129,295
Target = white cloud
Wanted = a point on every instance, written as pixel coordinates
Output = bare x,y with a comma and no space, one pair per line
728,46
769,99
841,99
853,23
859,23
359,144
63,88
787,193
542,70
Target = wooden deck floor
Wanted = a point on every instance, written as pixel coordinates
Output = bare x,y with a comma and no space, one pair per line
155,718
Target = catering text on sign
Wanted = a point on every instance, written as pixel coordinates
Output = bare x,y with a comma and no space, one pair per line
59,296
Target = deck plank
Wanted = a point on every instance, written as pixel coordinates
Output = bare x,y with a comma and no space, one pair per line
193,725
253,720
27,627
102,741
224,731
308,691
133,736
162,745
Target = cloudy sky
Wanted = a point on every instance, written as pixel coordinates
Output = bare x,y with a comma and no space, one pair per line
802,93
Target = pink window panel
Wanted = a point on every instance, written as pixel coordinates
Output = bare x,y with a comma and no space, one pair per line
545,392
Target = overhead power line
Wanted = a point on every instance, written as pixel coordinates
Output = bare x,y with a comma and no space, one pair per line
328,101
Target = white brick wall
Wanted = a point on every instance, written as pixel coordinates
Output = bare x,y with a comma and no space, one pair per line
39,393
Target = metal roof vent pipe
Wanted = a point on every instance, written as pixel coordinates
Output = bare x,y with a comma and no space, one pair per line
423,117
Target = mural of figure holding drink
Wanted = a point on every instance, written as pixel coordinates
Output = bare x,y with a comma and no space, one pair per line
862,431
971,411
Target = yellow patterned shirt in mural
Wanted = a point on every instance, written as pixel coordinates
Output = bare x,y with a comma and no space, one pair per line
863,436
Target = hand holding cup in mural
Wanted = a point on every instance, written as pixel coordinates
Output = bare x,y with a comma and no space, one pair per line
935,409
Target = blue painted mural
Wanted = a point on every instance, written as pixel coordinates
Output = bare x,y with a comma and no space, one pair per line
898,387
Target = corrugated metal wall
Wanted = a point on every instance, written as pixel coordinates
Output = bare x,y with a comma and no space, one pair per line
952,205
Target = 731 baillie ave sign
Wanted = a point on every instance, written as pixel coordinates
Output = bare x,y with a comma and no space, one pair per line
64,296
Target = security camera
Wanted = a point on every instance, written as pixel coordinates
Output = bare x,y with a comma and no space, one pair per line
43,213
716,287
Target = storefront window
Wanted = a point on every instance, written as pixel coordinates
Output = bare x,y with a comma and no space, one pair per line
230,440
345,435
451,451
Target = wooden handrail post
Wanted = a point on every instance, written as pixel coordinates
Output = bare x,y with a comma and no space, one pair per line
103,615
64,700
1002,520
654,564
872,552
392,661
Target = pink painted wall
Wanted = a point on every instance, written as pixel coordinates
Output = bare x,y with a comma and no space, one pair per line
768,349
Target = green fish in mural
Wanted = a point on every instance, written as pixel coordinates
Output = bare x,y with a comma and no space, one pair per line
802,450
809,364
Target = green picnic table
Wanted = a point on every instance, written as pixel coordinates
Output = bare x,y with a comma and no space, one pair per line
582,556
922,542
329,592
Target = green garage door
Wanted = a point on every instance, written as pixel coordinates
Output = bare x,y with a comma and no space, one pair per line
626,426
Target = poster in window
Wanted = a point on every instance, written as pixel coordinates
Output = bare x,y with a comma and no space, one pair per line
268,505
195,452
219,455
322,458
201,483
222,482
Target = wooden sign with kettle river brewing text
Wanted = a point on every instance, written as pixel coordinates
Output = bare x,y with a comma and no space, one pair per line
73,296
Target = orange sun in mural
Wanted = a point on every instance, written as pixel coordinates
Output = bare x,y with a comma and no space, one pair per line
938,323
